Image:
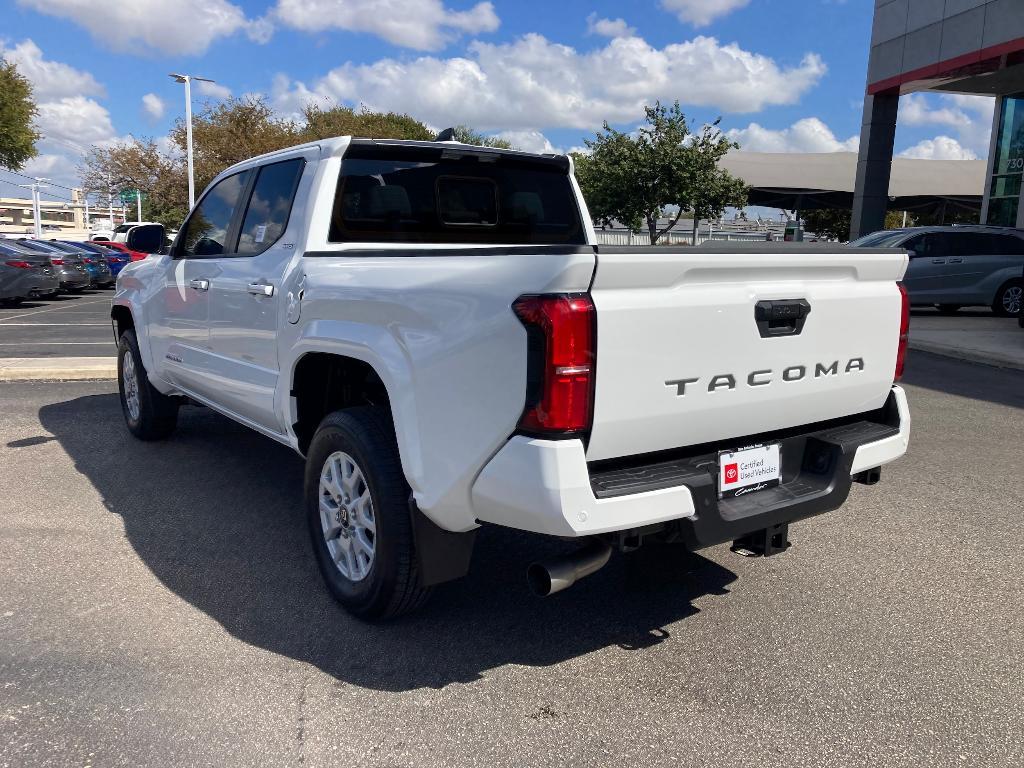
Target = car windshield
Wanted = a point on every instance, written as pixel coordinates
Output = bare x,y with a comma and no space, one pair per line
13,249
881,239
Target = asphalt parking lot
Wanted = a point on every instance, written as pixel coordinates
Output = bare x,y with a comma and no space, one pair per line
67,326
159,606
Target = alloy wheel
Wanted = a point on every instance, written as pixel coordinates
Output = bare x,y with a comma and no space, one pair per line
130,381
347,517
1013,299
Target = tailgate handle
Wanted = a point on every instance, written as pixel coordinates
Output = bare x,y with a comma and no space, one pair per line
781,317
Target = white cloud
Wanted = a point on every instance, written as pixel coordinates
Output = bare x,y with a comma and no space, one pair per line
807,135
171,26
425,25
153,106
608,27
530,141
700,13
50,79
939,148
75,120
969,117
535,83
213,90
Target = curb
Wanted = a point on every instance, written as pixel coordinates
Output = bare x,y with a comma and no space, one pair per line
968,355
58,369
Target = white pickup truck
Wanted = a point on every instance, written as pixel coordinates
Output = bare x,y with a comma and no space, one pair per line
433,327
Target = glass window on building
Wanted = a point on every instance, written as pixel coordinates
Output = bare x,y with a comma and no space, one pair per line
1004,195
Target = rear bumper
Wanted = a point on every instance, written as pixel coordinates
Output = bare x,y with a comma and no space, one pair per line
546,486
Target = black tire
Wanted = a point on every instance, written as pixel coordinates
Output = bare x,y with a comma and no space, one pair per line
392,586
14,301
157,413
948,309
1011,289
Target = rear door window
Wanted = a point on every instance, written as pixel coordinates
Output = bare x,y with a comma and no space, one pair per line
205,234
269,206
396,193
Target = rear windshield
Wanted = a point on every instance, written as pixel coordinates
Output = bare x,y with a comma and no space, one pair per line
433,195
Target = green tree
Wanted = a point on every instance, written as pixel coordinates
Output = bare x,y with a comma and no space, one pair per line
467,135
18,136
139,164
636,178
712,189
346,121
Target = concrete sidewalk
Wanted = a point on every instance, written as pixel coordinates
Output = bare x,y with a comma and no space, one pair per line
978,337
57,368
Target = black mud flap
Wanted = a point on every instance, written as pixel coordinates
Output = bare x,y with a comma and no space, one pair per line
442,555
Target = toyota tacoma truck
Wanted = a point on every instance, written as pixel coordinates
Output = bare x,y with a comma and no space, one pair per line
435,329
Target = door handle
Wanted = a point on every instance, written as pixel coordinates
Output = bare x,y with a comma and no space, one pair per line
199,285
261,289
938,261
955,261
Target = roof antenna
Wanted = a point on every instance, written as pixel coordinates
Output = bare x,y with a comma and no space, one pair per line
448,134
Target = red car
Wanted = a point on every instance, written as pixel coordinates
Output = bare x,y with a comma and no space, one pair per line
134,255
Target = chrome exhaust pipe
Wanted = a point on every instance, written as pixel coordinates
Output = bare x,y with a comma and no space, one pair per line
561,573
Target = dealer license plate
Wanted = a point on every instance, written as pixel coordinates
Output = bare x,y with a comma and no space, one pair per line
749,470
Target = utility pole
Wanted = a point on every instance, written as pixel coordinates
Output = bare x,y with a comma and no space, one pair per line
86,198
187,80
138,204
37,211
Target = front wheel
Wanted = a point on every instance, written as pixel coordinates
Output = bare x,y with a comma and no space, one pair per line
357,504
148,414
1009,299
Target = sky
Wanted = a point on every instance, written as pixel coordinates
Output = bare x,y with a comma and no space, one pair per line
783,75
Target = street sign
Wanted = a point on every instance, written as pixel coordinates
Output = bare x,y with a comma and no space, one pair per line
128,196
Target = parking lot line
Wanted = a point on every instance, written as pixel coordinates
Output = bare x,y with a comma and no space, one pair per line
51,309
56,343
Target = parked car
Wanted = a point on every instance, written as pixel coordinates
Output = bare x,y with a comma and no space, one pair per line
434,328
70,268
122,248
114,258
960,266
25,274
99,270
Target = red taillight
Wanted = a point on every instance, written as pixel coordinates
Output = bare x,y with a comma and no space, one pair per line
901,350
57,262
18,264
560,379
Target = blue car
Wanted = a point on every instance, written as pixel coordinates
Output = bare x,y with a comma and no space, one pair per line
115,260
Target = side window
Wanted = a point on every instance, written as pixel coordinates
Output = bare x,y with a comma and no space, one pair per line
206,231
1009,245
932,244
917,245
269,207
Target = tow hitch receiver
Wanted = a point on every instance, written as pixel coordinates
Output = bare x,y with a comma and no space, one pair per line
764,543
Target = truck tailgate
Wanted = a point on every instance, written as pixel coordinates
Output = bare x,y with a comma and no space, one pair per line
682,360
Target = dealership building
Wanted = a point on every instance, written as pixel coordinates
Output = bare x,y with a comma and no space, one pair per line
951,46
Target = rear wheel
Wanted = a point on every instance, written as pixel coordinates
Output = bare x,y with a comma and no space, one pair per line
1009,299
148,414
357,504
948,309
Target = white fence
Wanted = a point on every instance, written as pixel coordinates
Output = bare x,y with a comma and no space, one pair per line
624,237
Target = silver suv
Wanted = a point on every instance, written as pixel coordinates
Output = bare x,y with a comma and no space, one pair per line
960,266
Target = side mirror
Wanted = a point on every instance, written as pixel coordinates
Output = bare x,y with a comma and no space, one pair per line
146,238
911,252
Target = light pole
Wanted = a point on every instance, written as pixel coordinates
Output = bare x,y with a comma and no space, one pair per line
37,212
187,80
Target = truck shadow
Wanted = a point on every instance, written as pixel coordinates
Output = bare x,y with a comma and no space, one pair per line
216,515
